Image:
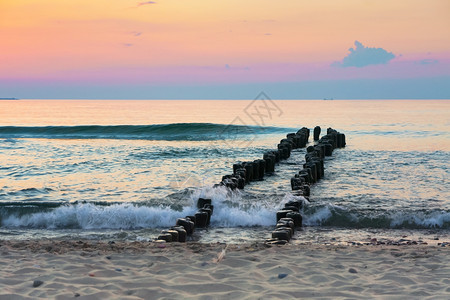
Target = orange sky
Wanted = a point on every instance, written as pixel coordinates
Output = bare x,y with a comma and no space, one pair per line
48,39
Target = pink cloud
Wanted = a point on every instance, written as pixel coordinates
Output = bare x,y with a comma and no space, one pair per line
401,67
146,3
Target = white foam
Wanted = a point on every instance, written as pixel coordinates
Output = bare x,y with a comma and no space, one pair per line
228,212
90,216
217,195
318,217
321,215
290,197
435,219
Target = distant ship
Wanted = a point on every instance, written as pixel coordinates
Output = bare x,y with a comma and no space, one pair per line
328,99
9,98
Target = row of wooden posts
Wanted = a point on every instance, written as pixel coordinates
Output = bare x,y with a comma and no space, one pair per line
246,172
289,218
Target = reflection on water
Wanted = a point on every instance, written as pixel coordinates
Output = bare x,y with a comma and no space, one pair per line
393,172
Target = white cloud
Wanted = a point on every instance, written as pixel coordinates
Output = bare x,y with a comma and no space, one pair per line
361,56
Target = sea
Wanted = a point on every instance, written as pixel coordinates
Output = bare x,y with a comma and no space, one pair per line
126,169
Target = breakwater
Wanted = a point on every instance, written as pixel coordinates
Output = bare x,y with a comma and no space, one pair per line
289,218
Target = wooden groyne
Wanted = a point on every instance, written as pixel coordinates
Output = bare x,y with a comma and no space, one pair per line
245,172
289,218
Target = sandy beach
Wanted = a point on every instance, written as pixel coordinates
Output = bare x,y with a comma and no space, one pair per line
224,149
143,270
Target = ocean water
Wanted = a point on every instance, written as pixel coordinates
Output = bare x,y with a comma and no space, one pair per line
100,169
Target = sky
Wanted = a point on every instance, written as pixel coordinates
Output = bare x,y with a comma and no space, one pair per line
214,49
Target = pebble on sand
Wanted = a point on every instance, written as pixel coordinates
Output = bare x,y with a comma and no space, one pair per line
37,283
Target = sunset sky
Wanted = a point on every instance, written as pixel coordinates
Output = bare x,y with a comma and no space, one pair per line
203,49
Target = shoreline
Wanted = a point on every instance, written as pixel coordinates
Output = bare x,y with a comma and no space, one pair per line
143,270
323,235
67,246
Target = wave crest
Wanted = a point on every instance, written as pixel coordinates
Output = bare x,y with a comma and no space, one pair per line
170,132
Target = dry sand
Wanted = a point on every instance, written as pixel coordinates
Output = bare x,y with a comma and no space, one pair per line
142,270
